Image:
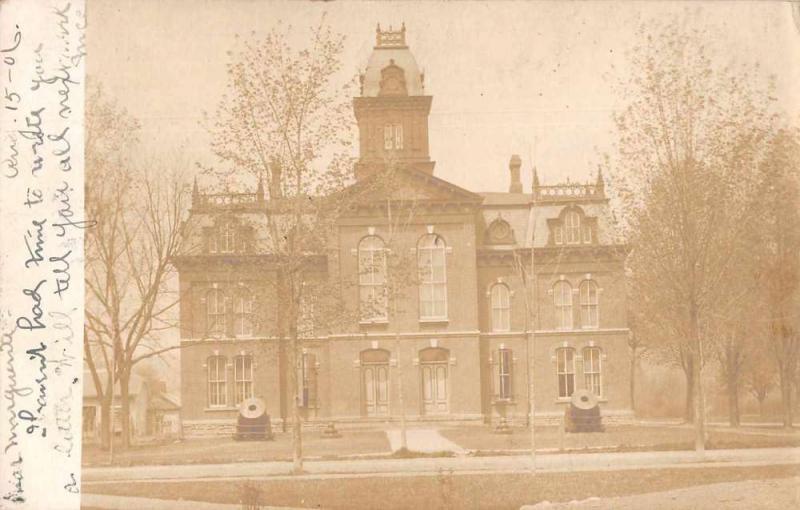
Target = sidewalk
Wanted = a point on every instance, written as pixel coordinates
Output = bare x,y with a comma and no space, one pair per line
423,440
564,462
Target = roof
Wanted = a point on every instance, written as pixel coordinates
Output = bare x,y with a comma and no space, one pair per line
390,50
135,386
500,198
164,402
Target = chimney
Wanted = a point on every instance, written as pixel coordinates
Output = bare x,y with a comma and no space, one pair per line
276,179
514,165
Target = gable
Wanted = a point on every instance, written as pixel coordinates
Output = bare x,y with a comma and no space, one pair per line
408,184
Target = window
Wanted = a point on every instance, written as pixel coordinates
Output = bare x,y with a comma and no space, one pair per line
215,312
372,279
306,320
589,305
572,222
227,239
501,307
89,420
503,387
562,297
592,369
393,136
559,234
243,377
307,380
565,369
587,234
217,381
243,314
433,277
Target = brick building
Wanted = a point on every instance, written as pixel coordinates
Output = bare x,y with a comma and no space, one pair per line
458,346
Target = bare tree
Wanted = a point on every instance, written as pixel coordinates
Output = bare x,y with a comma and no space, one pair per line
690,138
285,121
138,211
780,246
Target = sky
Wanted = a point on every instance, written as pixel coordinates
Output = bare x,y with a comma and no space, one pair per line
528,78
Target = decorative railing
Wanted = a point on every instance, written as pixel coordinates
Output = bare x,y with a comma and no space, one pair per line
225,199
391,39
567,191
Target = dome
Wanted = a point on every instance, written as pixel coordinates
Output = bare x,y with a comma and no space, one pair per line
391,69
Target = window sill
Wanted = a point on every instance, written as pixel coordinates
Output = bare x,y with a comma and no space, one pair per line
504,402
375,322
433,320
567,400
220,408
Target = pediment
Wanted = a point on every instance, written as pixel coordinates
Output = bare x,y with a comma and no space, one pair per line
408,184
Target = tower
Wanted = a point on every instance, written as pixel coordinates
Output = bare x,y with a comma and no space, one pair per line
392,109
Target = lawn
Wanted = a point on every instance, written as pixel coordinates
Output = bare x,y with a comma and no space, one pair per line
482,440
225,449
486,491
623,437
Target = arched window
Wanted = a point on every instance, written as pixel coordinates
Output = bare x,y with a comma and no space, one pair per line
565,371
592,370
217,381
372,279
590,316
243,377
243,313
572,223
562,297
501,307
215,312
431,251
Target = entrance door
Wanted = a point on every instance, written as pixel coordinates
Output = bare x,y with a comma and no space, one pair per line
434,388
376,389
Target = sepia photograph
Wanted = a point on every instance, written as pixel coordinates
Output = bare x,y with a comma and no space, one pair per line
403,255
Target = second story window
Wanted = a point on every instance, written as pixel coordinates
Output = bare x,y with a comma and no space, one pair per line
215,313
227,238
372,279
431,262
393,136
243,314
501,307
572,227
589,305
562,298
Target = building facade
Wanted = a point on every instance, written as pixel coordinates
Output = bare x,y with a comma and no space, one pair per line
513,291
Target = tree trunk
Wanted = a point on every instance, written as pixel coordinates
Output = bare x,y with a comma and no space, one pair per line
633,380
699,413
401,403
688,413
761,406
124,388
786,395
733,400
105,421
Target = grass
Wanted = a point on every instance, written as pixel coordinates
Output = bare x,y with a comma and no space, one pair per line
446,491
481,440
615,438
226,450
